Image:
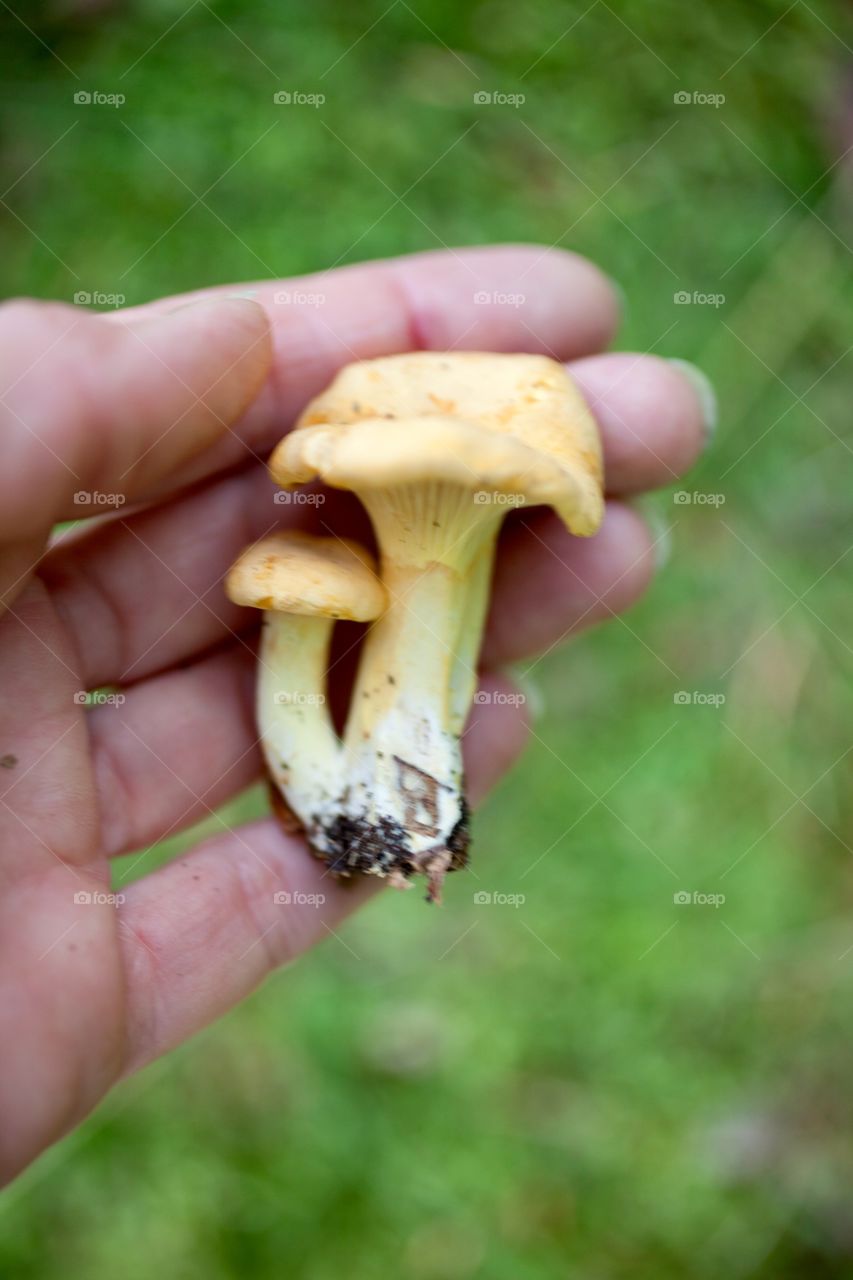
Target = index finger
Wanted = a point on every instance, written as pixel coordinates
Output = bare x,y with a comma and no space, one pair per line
496,298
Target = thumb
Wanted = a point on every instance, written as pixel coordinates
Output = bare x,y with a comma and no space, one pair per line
94,414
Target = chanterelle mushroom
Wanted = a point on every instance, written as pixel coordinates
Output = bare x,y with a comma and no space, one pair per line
303,584
438,447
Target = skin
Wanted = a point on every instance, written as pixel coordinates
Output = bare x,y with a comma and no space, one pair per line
174,406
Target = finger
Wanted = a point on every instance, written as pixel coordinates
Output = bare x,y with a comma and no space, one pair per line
199,934
495,735
549,585
654,418
500,298
99,412
172,749
138,595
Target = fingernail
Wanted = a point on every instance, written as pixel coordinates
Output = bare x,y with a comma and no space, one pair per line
704,388
660,530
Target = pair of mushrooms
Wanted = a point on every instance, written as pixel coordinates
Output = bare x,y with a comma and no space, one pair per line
438,447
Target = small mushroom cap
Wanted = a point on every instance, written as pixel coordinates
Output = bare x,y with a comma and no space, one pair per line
293,572
510,423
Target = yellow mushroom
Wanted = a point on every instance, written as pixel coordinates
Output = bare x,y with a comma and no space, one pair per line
438,446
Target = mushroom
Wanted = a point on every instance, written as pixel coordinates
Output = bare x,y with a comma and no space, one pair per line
438,446
304,584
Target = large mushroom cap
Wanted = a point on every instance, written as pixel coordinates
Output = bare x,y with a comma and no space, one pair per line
515,424
293,572
376,453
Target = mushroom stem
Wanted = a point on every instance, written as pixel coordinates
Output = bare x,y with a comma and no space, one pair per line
463,677
417,676
299,742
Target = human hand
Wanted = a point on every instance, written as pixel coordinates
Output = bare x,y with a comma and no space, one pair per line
167,414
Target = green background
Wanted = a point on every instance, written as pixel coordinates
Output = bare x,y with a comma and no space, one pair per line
599,1083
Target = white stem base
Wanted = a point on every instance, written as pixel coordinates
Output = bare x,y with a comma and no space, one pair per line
300,746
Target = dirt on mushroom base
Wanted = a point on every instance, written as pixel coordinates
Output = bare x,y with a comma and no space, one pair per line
357,846
382,848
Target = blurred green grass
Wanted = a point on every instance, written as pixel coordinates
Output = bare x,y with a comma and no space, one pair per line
601,1082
